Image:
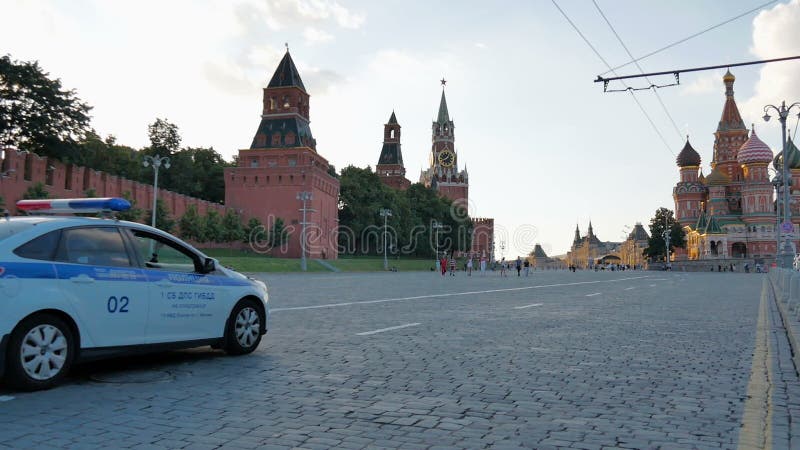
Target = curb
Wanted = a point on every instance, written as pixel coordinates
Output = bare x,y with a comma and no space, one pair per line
791,328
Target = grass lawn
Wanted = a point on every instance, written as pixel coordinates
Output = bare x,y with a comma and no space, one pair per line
252,262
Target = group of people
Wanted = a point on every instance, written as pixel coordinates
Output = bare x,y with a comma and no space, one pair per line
449,265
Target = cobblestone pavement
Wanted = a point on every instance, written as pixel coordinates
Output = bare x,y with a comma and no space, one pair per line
414,360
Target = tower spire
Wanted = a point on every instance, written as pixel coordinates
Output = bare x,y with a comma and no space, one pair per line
444,115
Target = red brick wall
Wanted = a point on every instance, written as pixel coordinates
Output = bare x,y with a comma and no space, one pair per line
61,177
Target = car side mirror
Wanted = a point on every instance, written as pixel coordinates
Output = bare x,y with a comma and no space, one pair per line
209,265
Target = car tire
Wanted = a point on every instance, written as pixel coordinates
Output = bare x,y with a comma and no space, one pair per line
243,330
40,352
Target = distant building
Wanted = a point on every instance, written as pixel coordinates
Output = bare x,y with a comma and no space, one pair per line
588,251
632,250
282,161
390,166
539,260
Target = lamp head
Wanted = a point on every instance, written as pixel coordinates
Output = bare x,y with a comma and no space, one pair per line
166,165
766,117
146,163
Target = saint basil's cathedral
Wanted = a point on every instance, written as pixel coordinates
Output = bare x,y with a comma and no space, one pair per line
730,213
442,175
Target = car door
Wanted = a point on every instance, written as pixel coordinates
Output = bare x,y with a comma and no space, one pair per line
109,293
184,303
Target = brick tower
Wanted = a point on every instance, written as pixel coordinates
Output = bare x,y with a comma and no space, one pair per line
282,162
390,166
443,174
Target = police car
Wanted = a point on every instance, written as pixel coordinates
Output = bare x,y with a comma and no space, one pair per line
76,288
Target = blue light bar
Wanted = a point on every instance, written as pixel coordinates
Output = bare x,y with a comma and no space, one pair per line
74,205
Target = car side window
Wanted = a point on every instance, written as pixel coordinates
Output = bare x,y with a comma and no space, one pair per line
43,247
159,253
95,246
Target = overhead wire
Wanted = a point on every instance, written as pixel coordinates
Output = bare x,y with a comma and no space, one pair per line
666,47
655,91
633,95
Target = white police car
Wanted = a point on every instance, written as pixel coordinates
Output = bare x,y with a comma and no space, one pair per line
75,289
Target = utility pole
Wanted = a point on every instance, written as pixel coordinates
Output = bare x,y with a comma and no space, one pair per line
436,226
386,213
666,241
304,197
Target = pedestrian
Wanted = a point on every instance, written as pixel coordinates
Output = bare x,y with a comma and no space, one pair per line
503,267
483,264
519,265
527,267
453,265
469,266
443,264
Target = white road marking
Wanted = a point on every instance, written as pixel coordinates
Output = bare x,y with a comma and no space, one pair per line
527,306
652,285
592,295
6,398
451,294
630,288
367,333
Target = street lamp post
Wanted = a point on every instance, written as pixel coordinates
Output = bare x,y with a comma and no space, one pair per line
436,226
304,197
666,236
155,161
786,254
777,182
385,213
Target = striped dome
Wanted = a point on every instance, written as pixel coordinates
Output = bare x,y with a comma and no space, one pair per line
754,151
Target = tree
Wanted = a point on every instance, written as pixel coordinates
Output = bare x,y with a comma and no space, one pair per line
190,225
90,193
163,220
212,226
664,219
253,226
37,114
36,191
232,230
277,233
2,203
164,137
133,214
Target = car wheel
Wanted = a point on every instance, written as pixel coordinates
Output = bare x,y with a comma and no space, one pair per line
243,332
40,353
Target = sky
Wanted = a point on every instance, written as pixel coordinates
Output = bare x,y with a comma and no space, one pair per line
545,147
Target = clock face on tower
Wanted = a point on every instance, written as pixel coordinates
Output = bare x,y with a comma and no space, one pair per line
447,158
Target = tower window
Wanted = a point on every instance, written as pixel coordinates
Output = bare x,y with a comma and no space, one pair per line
253,162
292,162
261,139
289,139
276,139
391,134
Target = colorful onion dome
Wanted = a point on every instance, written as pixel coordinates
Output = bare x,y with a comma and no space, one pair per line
688,156
794,157
717,178
754,150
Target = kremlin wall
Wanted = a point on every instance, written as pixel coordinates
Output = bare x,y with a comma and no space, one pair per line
69,181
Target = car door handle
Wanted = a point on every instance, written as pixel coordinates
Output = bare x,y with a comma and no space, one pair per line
82,279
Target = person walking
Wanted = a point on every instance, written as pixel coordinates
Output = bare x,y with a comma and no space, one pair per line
453,265
527,265
483,264
469,266
443,264
518,265
503,267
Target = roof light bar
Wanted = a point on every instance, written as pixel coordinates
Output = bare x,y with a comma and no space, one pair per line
73,205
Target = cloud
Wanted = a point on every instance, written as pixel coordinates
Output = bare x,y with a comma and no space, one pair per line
280,14
776,33
316,36
703,84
